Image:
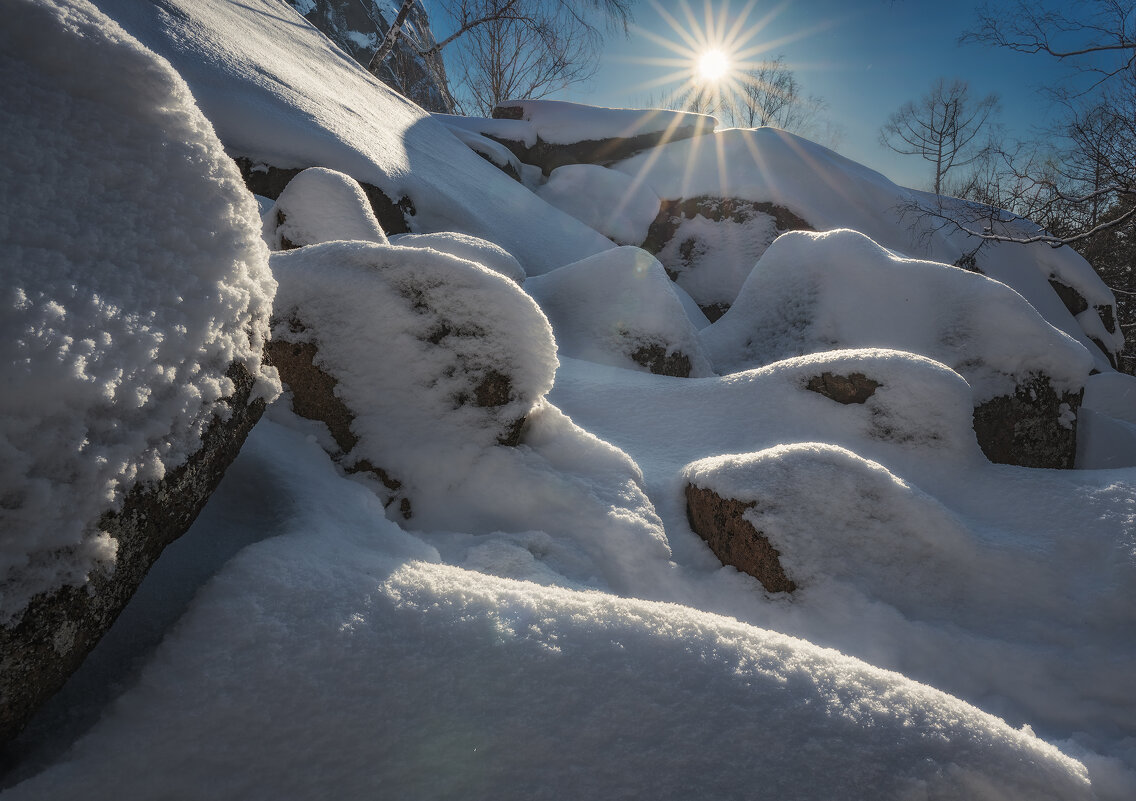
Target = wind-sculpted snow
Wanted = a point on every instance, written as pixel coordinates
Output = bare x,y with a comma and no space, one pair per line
466,247
133,278
816,292
340,660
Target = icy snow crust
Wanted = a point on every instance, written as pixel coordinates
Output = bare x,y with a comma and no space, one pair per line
815,292
133,278
278,91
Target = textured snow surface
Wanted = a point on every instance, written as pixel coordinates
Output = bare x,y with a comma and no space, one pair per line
466,247
613,203
134,275
339,659
815,292
607,307
321,205
561,123
829,191
278,91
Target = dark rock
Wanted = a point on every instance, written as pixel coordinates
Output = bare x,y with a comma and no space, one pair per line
549,156
1104,349
268,181
1025,428
656,359
714,311
1072,299
854,388
58,629
1107,316
733,539
673,212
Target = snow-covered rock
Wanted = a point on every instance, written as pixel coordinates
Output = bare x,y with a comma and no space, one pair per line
611,202
135,309
618,308
321,205
466,247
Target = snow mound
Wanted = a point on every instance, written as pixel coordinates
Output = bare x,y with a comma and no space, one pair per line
497,695
561,123
816,292
134,276
321,205
619,308
611,202
830,191
467,247
425,346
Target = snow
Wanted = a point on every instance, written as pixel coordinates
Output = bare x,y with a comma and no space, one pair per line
617,206
278,91
466,247
321,205
561,123
545,623
829,191
464,684
133,278
607,307
797,301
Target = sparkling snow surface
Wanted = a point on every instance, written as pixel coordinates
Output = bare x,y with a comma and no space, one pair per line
546,624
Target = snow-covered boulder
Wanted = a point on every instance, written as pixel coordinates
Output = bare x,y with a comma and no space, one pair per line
709,245
135,308
618,308
321,205
407,349
560,133
1027,377
611,202
467,247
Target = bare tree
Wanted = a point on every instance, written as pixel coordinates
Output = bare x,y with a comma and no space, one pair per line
770,94
523,55
941,127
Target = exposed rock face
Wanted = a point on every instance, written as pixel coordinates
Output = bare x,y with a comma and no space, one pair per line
358,26
1034,427
1072,299
268,181
852,388
733,539
656,359
58,629
548,155
673,212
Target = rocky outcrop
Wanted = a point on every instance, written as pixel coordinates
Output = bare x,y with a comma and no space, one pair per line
656,359
734,539
269,181
58,629
1034,427
608,150
852,388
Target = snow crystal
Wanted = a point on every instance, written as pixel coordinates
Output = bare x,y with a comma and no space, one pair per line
321,205
134,276
815,292
617,304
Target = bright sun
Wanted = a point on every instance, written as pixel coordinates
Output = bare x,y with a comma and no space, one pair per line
713,65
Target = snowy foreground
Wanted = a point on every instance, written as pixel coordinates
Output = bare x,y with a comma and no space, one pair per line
544,623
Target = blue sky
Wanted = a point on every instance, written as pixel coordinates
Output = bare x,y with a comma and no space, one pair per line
864,57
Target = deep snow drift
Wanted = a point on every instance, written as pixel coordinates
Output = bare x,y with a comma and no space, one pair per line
545,623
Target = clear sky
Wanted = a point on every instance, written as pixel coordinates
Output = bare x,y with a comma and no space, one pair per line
865,58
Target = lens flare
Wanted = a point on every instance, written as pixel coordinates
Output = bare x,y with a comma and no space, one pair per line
713,65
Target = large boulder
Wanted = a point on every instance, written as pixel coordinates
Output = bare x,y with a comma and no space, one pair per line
321,205
407,354
135,311
562,133
1026,376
